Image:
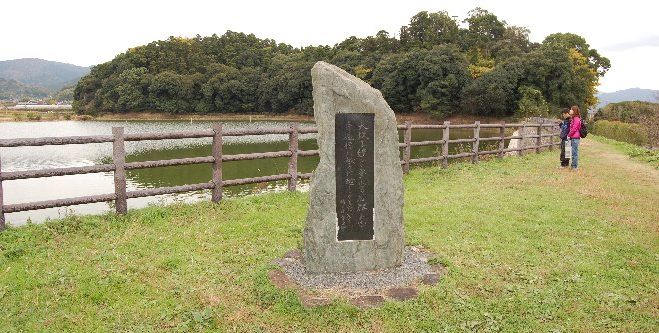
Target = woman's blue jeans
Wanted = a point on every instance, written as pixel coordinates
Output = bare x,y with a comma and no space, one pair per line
575,152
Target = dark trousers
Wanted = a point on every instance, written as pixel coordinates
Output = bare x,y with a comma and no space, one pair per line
564,161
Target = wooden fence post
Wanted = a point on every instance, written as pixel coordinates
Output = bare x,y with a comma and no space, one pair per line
551,138
292,162
446,137
119,159
502,141
216,194
2,213
520,152
477,141
538,140
407,153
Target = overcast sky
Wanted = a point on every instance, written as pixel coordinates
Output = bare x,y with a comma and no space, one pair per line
90,32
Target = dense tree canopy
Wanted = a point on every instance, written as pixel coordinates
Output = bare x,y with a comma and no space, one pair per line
430,80
434,65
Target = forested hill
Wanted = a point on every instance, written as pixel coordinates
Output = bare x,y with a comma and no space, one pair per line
12,89
40,74
434,66
632,94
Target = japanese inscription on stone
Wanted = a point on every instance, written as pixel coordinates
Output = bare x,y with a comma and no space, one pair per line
354,135
355,217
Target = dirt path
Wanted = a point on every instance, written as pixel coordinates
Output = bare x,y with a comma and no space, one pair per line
605,155
627,189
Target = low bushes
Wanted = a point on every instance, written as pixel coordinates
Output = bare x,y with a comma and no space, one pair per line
629,112
625,132
33,116
643,113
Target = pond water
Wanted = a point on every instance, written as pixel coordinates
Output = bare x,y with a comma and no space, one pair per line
32,158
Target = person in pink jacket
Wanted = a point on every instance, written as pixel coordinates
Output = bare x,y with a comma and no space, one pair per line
574,135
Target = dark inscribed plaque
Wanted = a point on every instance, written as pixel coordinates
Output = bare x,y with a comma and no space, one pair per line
354,145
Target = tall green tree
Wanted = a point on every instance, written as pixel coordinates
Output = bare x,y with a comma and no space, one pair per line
485,29
573,41
133,89
423,80
495,93
426,30
563,75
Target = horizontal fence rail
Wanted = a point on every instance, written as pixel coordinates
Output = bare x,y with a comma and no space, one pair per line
216,184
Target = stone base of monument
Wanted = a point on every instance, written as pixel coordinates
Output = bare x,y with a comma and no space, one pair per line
363,289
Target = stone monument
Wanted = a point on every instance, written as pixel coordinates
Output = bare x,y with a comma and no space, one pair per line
354,245
355,217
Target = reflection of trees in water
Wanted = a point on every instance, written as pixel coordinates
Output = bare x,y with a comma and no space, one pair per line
192,174
456,133
199,173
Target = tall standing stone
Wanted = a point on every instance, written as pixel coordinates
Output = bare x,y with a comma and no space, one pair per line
355,218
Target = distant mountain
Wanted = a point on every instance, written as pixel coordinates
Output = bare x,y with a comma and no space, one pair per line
49,75
632,94
12,89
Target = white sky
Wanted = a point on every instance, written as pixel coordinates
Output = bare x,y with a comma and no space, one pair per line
90,32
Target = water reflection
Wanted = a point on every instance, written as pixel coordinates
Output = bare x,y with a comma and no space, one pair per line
31,158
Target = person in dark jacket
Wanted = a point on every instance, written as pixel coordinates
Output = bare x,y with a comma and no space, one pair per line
565,129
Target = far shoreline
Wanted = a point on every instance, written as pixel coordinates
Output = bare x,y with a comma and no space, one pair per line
401,118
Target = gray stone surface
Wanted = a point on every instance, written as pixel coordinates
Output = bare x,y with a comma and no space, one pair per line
530,131
366,289
310,301
413,267
431,278
403,294
367,301
336,91
526,142
280,280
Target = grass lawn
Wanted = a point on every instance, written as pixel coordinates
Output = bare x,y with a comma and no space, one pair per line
529,247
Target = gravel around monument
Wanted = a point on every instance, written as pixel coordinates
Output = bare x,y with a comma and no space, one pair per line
364,289
414,266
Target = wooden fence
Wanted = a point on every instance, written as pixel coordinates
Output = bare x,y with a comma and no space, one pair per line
217,183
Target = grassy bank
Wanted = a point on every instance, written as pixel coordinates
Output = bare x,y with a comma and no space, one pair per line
638,153
529,247
35,115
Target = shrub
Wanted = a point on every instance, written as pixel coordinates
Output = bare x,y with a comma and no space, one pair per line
33,116
531,103
625,132
84,117
643,113
629,112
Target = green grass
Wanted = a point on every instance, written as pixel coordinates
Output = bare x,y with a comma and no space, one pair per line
639,153
529,248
